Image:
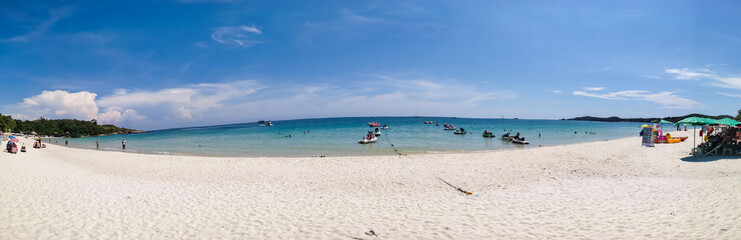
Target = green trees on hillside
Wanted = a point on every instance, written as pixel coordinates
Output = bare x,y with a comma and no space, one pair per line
59,127
738,118
6,123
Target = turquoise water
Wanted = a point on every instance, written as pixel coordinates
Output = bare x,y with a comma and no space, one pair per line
338,137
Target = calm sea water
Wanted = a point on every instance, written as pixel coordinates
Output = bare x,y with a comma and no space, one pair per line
338,137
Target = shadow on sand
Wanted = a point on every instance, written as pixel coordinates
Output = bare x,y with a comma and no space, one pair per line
709,158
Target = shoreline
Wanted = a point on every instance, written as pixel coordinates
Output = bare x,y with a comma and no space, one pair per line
612,189
514,147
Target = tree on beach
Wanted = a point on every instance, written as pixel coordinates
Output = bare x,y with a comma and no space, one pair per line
6,123
738,118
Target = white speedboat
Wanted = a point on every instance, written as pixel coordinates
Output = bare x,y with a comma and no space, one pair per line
520,141
366,140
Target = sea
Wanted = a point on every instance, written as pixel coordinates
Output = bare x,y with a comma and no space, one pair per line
339,137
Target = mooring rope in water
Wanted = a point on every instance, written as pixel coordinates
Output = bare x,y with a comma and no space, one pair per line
392,145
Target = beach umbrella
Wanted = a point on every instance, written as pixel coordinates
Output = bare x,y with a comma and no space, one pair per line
727,121
694,121
14,140
11,137
662,123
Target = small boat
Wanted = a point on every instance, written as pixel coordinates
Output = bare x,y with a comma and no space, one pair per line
385,127
377,133
520,140
460,132
261,121
268,123
428,122
506,137
449,128
373,124
488,134
367,140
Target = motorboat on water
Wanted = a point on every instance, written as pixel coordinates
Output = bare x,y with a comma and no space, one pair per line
460,132
428,122
367,140
268,123
385,127
377,133
488,134
506,137
373,124
520,140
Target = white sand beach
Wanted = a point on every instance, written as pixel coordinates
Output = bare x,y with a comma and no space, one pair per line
600,190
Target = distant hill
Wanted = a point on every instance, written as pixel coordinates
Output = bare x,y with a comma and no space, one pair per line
61,127
646,120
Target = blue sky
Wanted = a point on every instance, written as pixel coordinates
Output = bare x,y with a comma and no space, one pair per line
162,64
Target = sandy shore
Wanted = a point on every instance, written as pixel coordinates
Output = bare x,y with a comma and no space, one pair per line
599,190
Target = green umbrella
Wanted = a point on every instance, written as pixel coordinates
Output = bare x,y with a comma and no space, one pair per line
662,123
694,121
727,121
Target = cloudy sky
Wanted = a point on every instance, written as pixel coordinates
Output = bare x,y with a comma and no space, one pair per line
162,64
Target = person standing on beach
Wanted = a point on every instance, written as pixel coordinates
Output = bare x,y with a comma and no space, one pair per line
97,144
123,143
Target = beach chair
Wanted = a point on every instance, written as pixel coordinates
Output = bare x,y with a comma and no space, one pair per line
713,151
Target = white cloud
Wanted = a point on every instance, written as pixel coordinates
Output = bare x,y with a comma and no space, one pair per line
349,15
242,101
593,88
666,99
650,76
727,82
704,73
186,102
61,104
687,73
557,91
235,36
730,95
114,115
201,44
42,28
429,88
